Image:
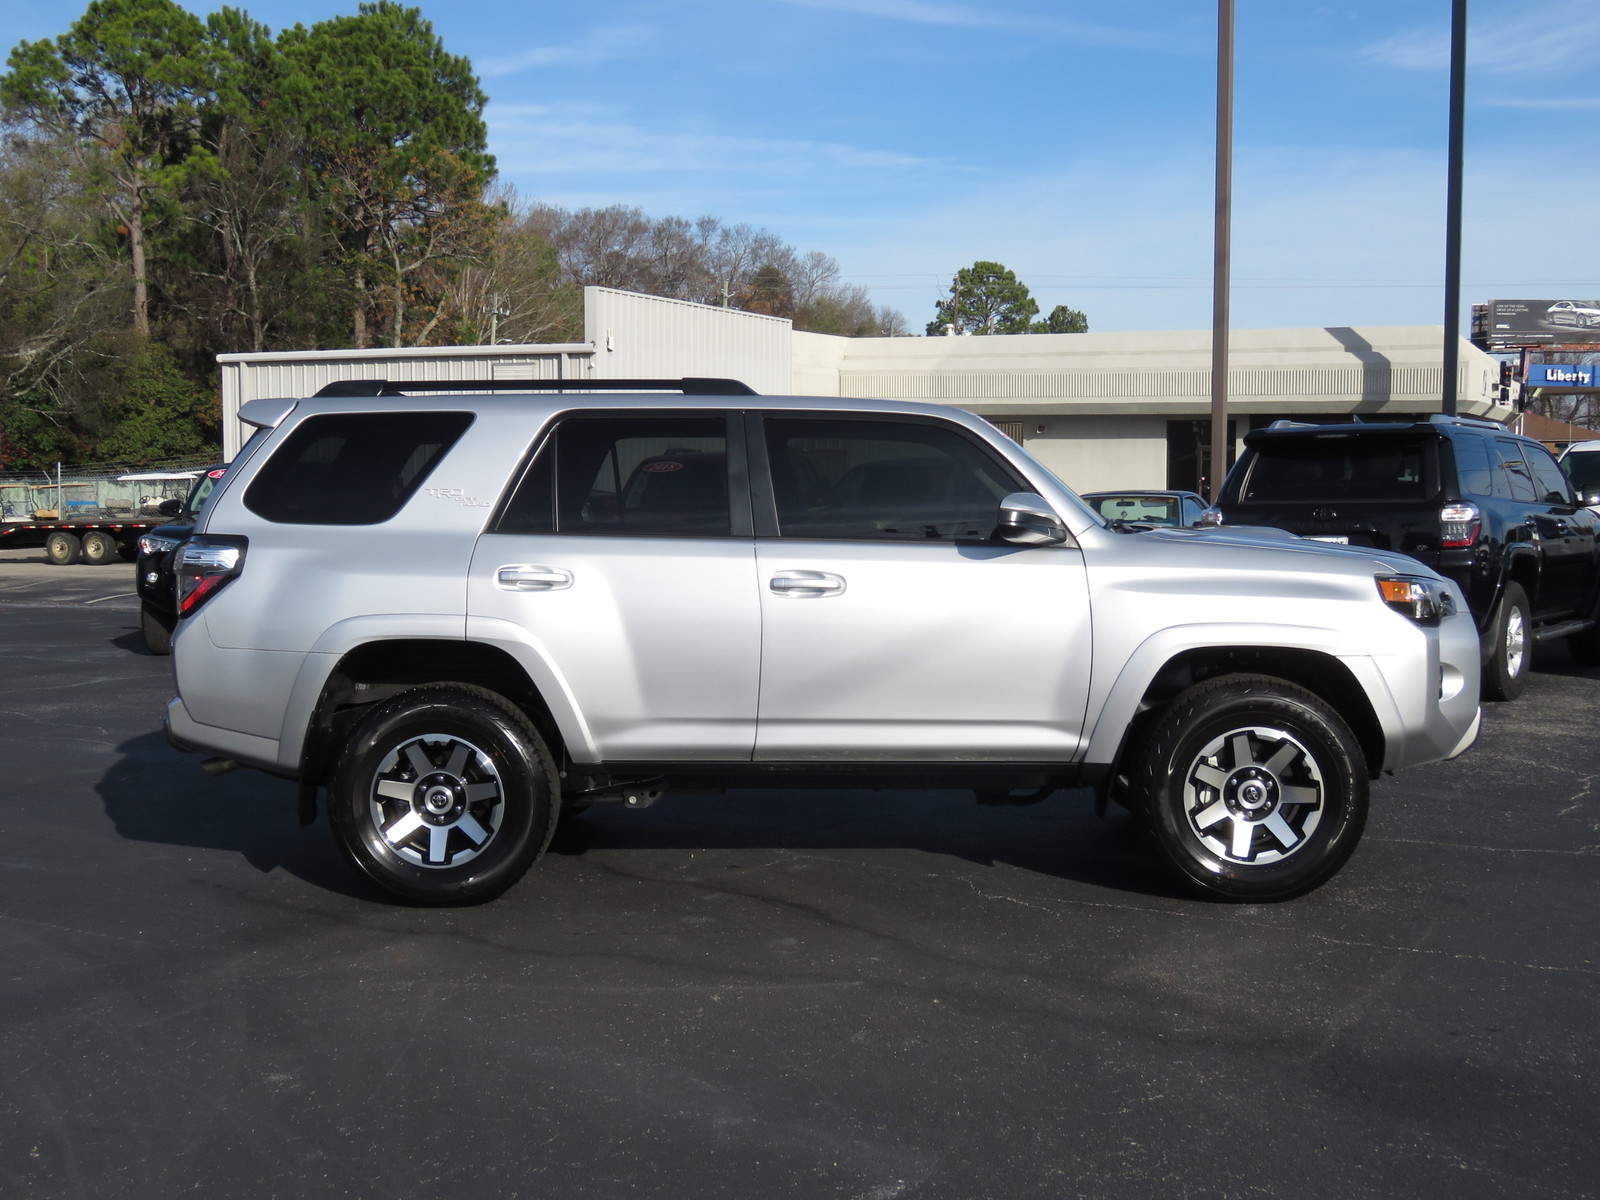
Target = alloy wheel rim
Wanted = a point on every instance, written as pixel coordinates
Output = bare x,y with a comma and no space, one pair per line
1254,795
437,801
1516,642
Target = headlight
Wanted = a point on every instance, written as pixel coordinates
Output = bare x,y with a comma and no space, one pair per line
1425,601
155,543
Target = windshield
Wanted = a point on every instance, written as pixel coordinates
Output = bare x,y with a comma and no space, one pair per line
1143,510
1584,470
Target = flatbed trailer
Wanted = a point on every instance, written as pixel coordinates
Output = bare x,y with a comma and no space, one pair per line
80,539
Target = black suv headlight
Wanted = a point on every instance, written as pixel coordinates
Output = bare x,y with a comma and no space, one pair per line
157,543
1426,601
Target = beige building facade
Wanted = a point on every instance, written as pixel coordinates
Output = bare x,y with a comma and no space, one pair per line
1102,410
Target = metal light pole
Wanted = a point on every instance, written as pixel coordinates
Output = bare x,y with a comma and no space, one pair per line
1452,221
1223,235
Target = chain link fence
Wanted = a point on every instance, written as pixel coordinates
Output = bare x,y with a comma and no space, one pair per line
98,491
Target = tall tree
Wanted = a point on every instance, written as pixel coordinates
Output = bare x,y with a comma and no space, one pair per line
398,146
122,81
985,298
1063,320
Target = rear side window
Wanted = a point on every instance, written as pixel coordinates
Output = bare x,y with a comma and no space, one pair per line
1473,470
637,475
352,468
1345,467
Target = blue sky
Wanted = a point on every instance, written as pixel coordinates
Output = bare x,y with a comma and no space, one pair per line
1071,141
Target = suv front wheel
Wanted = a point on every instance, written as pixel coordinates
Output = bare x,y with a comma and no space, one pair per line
1252,787
444,795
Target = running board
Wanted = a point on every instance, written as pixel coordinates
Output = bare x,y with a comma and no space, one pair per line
1565,629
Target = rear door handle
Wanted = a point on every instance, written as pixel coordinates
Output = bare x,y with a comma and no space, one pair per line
804,584
532,579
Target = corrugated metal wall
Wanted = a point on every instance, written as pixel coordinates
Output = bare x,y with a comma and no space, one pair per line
649,337
251,376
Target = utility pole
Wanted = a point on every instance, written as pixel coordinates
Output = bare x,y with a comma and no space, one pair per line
1221,248
1452,221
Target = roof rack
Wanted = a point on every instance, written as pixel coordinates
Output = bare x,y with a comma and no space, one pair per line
1482,422
695,386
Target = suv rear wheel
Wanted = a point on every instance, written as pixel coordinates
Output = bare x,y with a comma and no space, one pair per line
1253,788
1505,674
444,795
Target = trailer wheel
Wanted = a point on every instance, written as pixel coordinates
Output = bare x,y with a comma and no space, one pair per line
98,548
62,549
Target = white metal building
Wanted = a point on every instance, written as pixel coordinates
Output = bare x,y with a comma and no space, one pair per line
1104,410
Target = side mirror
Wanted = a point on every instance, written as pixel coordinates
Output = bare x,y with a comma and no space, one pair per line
170,508
1589,499
1026,519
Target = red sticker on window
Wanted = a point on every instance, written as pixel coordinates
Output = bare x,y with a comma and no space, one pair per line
657,468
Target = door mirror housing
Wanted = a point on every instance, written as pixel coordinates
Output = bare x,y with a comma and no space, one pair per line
1026,519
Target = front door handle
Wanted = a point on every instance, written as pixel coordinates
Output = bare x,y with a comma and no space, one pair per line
805,584
532,579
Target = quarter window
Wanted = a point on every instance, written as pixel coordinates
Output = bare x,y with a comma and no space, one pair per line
883,480
352,468
1513,481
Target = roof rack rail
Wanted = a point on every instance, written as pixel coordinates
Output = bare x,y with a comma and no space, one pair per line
1482,422
689,386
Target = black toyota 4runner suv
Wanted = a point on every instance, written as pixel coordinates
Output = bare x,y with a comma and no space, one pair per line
1481,505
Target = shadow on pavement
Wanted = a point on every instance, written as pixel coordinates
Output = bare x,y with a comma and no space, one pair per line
155,794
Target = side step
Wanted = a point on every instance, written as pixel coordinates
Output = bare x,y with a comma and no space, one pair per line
1563,629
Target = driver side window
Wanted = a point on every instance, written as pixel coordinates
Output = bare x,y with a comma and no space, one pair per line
883,480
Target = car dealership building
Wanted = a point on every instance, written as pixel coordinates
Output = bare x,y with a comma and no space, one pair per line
1103,410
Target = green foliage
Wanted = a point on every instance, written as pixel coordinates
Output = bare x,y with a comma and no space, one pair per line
1063,320
986,298
156,411
172,188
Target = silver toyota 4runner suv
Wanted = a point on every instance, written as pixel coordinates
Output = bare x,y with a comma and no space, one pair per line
461,614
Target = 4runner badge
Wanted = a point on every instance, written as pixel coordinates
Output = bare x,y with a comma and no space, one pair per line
459,496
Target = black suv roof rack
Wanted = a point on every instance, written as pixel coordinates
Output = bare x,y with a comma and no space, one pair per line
689,386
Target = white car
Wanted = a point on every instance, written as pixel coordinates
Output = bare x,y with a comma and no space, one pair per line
1571,312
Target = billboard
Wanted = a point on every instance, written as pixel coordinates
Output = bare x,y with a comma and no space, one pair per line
1542,323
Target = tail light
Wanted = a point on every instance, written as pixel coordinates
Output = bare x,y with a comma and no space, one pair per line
204,567
1459,525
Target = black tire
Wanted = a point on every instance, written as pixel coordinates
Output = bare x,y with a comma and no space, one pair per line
1505,670
156,629
1251,787
444,795
98,548
62,549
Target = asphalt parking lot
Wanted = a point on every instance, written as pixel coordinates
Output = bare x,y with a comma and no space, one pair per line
763,994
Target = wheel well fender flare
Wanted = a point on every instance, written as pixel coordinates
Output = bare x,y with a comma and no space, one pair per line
1175,658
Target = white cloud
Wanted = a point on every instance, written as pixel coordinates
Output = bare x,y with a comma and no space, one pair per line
541,140
970,16
596,46
1534,38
